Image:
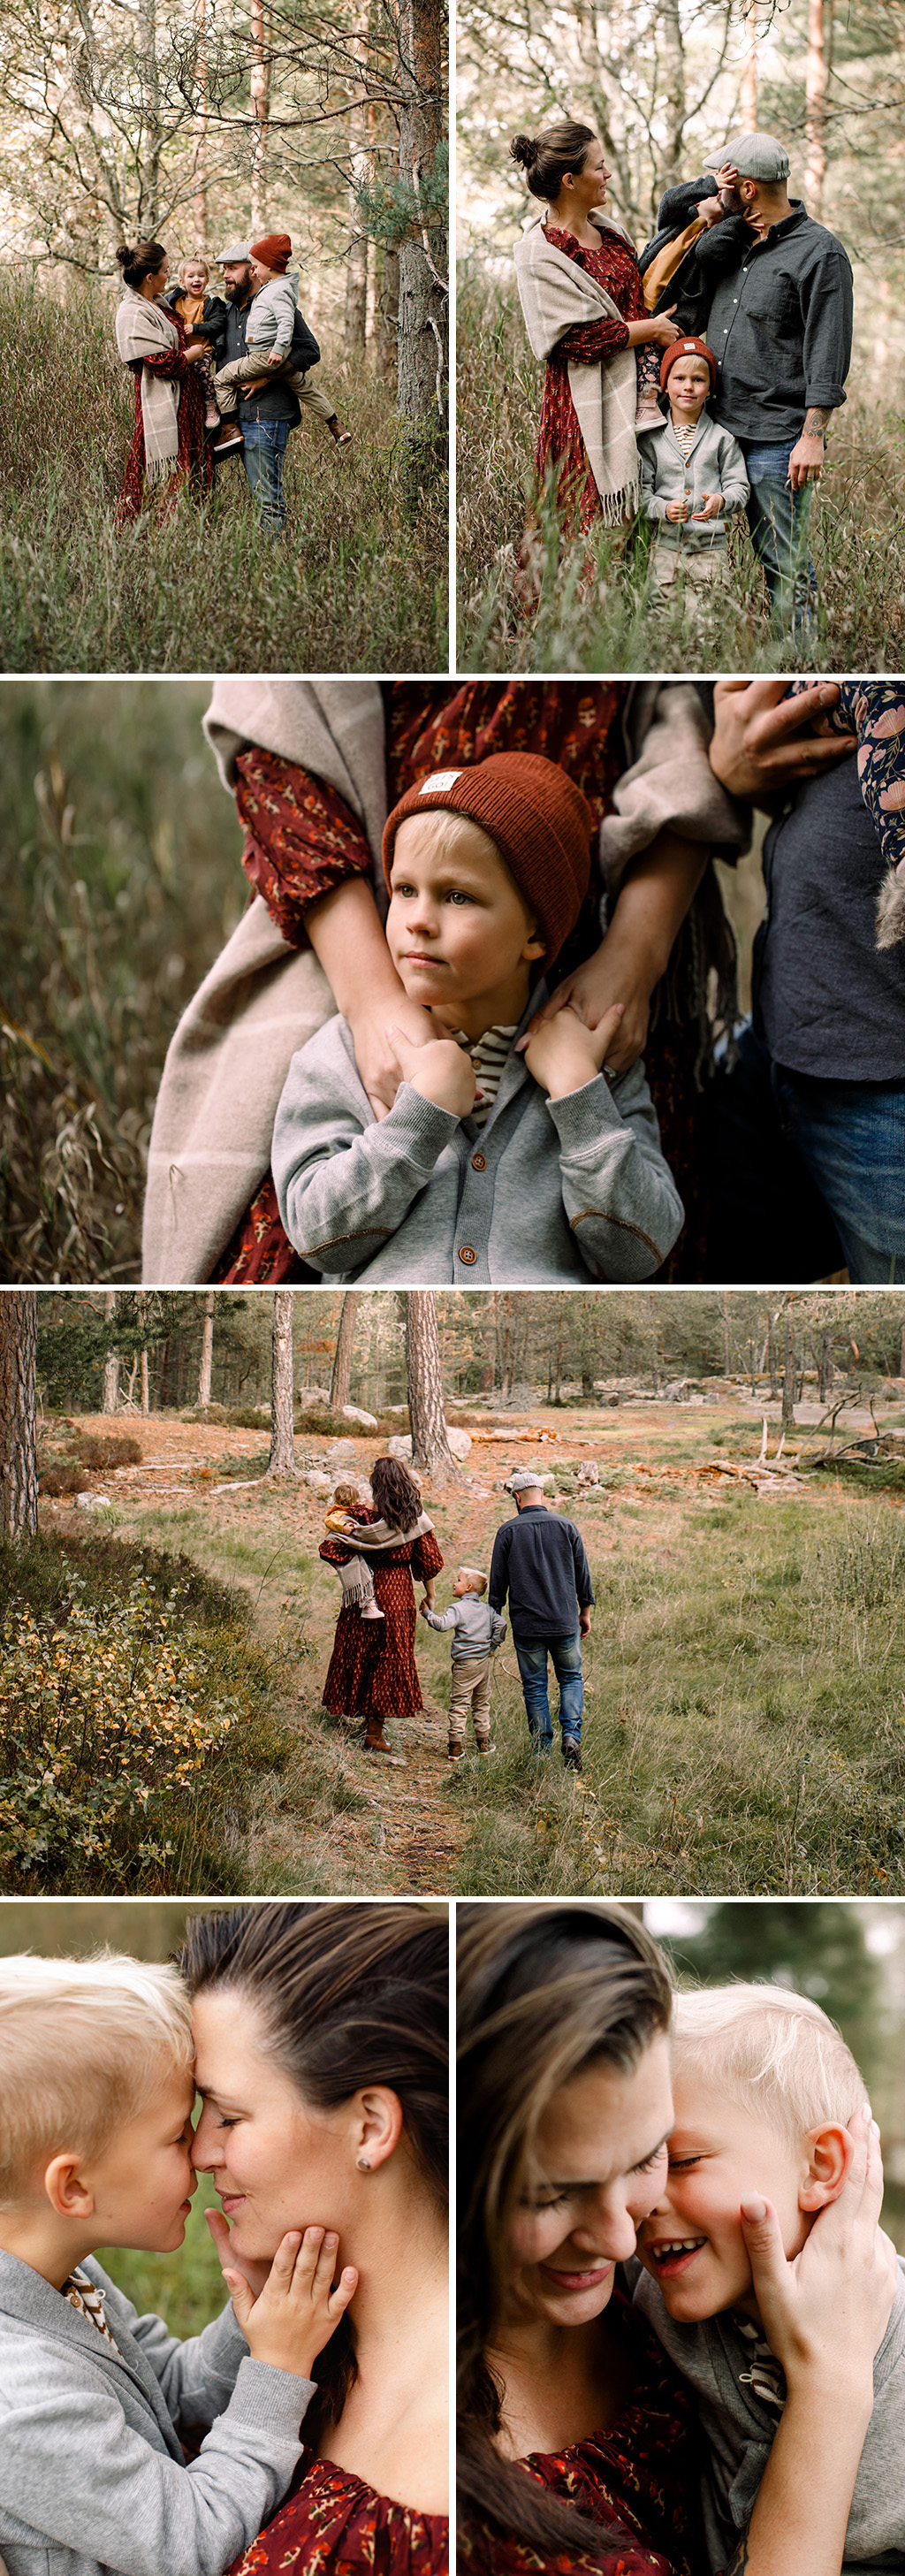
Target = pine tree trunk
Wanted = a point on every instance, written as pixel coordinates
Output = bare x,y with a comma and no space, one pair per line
145,1391
110,1397
360,172
200,242
207,1350
747,99
386,312
788,1381
771,1360
654,1355
282,1438
423,296
673,55
341,1380
18,1461
430,1446
815,106
259,85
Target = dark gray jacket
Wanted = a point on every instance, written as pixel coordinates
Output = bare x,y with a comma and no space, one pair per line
92,2474
780,324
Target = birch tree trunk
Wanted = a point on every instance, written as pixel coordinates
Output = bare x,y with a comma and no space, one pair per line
149,166
145,1391
201,128
110,1397
357,263
341,1380
207,1350
674,108
430,1446
423,297
18,1461
816,70
747,98
259,86
788,1378
282,1437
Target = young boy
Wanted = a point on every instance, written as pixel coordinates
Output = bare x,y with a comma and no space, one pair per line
96,2091
511,1151
692,473
477,1632
268,338
764,2088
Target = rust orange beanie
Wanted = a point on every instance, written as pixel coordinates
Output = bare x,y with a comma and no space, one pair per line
687,349
538,819
275,251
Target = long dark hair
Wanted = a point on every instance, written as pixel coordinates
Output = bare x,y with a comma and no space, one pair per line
543,1991
140,260
395,1493
546,157
349,1995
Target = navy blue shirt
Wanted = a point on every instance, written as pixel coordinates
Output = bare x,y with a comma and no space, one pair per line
827,1000
540,1561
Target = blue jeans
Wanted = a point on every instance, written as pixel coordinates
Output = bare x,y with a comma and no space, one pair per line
807,1175
565,1653
779,520
264,450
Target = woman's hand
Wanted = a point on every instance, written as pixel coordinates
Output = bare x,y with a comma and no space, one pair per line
761,743
297,2311
564,1053
656,326
827,2311
437,1067
194,351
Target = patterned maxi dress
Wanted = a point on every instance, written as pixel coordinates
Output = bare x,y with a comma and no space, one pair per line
638,2479
559,441
372,1670
302,841
194,467
334,2525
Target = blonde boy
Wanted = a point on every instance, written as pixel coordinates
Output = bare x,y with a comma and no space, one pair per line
477,1632
96,2091
764,2089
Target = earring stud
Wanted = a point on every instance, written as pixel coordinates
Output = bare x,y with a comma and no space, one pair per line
363,2163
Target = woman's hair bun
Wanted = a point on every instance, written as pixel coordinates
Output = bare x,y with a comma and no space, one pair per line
126,254
524,149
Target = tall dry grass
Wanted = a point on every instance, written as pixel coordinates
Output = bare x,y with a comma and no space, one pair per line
857,540
361,584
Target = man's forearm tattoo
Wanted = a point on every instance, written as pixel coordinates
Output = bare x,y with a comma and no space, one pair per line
815,421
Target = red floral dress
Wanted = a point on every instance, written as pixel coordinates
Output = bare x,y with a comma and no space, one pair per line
302,841
194,467
638,2479
372,1670
334,2524
559,440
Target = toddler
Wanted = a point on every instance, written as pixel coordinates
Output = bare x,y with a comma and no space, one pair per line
513,1150
477,1632
96,2092
204,317
356,1577
692,473
875,711
764,2089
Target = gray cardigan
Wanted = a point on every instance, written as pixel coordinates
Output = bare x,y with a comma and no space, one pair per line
476,1629
547,1192
92,2474
739,2429
715,464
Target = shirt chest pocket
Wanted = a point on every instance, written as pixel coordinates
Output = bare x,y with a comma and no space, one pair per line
770,296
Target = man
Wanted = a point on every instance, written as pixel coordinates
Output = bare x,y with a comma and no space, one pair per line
809,1125
780,326
539,1560
266,417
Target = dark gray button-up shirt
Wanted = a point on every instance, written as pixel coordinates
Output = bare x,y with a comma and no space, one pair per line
780,324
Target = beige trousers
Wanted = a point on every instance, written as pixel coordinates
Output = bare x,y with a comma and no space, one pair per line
470,1689
242,370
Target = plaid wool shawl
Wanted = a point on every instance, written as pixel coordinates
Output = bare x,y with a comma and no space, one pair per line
555,294
144,330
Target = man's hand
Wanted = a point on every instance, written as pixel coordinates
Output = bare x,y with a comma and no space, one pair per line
761,744
712,505
563,1053
584,1623
806,462
438,1068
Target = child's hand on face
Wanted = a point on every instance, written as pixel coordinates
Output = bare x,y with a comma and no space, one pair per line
296,2312
563,1055
438,1068
712,505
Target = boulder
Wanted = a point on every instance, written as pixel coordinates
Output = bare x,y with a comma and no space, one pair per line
318,1481
356,1413
400,1444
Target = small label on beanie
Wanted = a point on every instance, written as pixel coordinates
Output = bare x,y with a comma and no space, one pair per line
442,778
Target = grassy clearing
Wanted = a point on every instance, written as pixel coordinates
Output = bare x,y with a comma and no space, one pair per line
361,584
857,541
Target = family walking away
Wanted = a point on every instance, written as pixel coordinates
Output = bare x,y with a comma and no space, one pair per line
496,1037
731,2398
738,278
215,376
317,2036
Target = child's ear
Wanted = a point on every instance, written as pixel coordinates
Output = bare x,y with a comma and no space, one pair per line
829,2152
534,947
67,2189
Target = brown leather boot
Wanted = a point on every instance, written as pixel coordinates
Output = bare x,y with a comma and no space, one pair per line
375,1740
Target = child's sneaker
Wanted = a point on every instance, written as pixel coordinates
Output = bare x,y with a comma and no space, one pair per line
455,1752
371,1611
485,1748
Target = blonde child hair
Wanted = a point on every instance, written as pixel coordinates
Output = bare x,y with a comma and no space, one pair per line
773,2053
471,1574
349,1493
194,259
84,2044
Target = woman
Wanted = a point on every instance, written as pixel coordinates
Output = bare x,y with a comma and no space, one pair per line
170,449
321,2035
372,1671
314,770
576,2446
583,302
